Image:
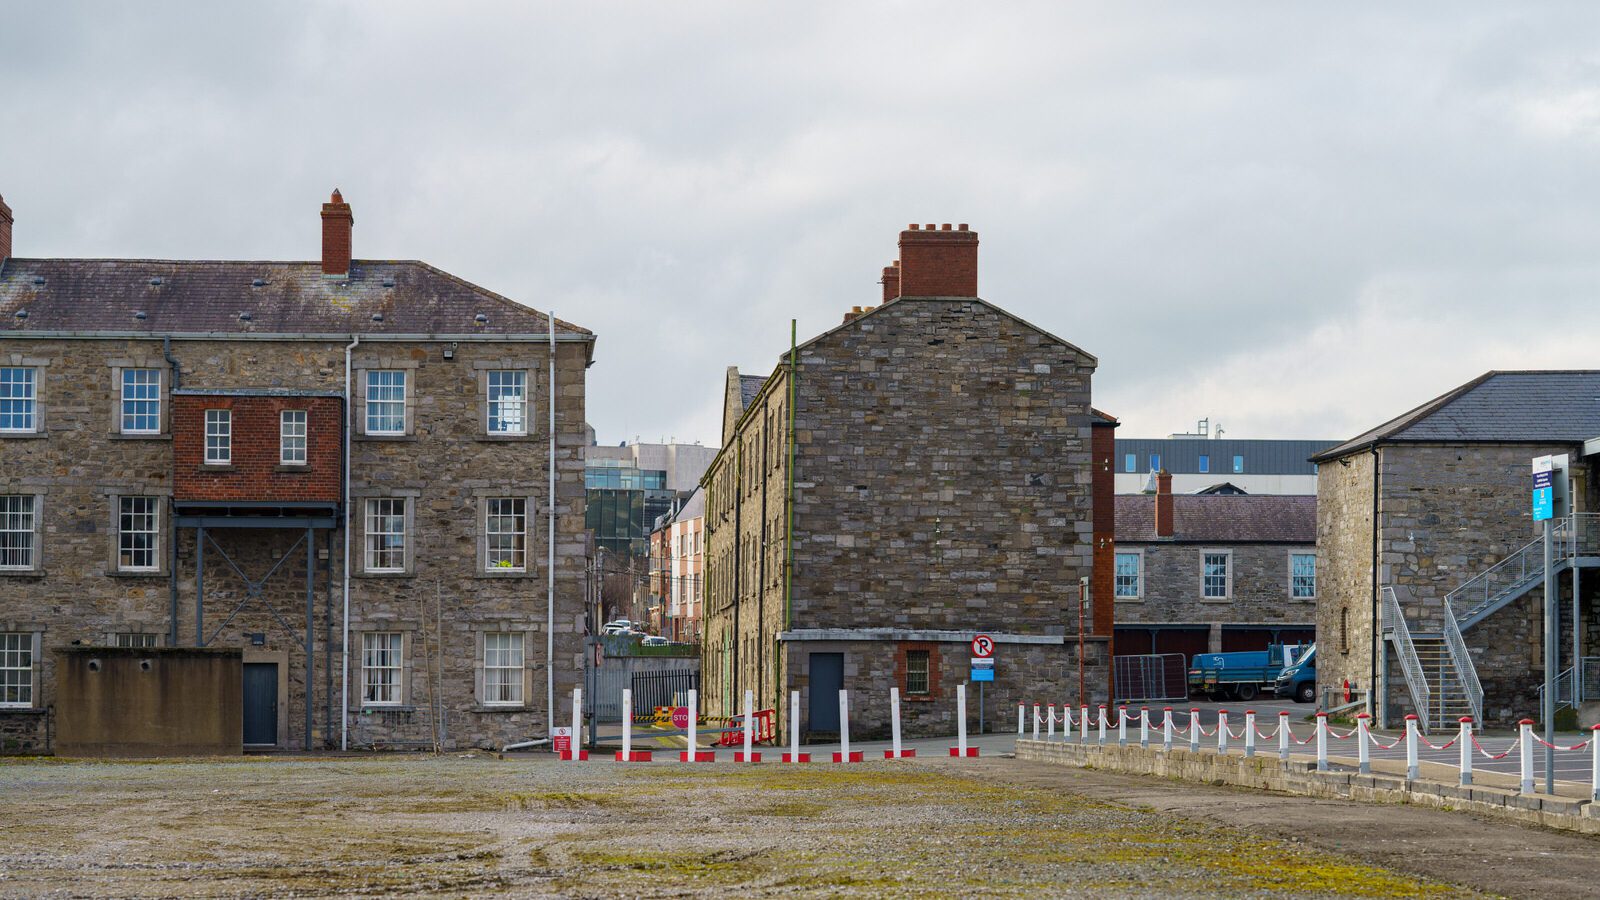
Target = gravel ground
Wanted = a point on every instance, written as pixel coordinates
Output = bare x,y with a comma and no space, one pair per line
473,826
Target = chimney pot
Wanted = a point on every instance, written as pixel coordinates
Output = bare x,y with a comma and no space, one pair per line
928,227
337,223
1164,524
962,227
913,226
946,227
5,230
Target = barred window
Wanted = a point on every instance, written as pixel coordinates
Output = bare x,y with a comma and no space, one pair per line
16,670
1128,574
17,528
135,639
1214,576
292,437
137,533
141,401
19,400
505,533
1303,576
380,668
508,401
386,535
502,669
916,672
386,401
219,436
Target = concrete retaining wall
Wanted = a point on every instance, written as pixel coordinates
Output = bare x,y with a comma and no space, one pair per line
1300,776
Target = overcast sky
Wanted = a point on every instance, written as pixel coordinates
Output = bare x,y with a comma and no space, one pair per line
1297,221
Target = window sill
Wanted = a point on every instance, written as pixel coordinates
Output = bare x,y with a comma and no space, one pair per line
23,435
22,710
492,574
216,467
481,708
1129,599
124,436
368,709
380,574
136,573
381,438
1216,599
918,698
293,468
507,438
22,573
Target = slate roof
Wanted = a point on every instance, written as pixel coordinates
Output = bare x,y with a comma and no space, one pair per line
749,387
1221,519
1555,406
208,297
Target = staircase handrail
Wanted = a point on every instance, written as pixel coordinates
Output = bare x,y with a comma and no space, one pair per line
1394,622
1523,563
1466,670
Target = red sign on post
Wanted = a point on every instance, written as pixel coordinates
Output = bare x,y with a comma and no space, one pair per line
561,740
680,717
983,646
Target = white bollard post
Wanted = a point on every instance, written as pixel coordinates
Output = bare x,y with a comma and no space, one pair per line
1050,722
1036,721
894,722
578,753
960,749
692,754
1222,731
1283,736
1022,711
1466,750
1083,724
1322,742
1144,727
1194,729
1364,751
749,729
1412,769
1122,726
1594,774
1166,730
844,755
627,725
1102,725
1525,750
794,755
1249,734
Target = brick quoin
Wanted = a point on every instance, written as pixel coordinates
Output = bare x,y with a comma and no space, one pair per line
938,262
255,473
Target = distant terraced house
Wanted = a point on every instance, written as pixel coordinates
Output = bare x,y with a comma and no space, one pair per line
349,469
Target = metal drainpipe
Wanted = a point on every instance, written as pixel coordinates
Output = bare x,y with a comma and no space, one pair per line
172,520
1374,706
550,561
344,643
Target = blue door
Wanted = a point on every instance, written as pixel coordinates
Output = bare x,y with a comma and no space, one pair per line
827,680
261,704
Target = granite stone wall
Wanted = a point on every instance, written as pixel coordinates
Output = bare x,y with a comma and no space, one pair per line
1260,593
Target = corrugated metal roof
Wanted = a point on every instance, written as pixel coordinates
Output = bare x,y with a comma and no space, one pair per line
243,297
1556,406
1181,456
1220,519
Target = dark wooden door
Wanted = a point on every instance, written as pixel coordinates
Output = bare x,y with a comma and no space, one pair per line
261,704
827,680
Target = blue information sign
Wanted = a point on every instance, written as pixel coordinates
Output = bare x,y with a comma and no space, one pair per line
1543,496
982,669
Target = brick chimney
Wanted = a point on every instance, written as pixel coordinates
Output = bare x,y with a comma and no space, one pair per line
891,281
1164,526
337,223
938,262
5,230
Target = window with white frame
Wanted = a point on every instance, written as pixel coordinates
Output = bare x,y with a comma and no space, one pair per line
508,401
141,401
1128,575
138,533
18,526
505,534
502,668
219,437
386,534
16,670
135,639
19,395
1214,576
381,662
292,437
1303,576
386,401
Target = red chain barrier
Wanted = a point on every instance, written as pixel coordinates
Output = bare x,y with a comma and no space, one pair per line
1492,755
1578,746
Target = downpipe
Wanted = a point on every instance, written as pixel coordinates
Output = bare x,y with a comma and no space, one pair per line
344,642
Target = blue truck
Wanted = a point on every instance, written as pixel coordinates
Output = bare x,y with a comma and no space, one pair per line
1241,675
1299,680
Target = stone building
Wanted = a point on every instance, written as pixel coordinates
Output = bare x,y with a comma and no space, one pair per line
915,476
1431,511
1209,573
190,452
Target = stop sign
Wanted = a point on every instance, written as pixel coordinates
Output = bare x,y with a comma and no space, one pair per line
680,717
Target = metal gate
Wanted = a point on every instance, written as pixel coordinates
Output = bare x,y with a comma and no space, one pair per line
650,690
1152,676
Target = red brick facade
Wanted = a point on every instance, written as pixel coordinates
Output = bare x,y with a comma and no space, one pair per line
901,649
938,263
255,471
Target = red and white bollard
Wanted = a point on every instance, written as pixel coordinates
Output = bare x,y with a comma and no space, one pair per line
1166,729
961,749
1413,771
1466,750
1144,727
1249,734
694,753
1102,725
1222,731
794,755
576,753
894,728
1022,715
1122,726
845,755
1050,722
1594,774
627,753
1364,739
1525,750
1083,724
1283,736
1036,721
1194,729
1322,742
748,755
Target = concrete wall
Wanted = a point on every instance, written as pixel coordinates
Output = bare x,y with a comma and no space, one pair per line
123,701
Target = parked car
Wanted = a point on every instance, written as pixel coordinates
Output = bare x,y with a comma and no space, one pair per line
1300,679
619,626
1240,675
655,640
